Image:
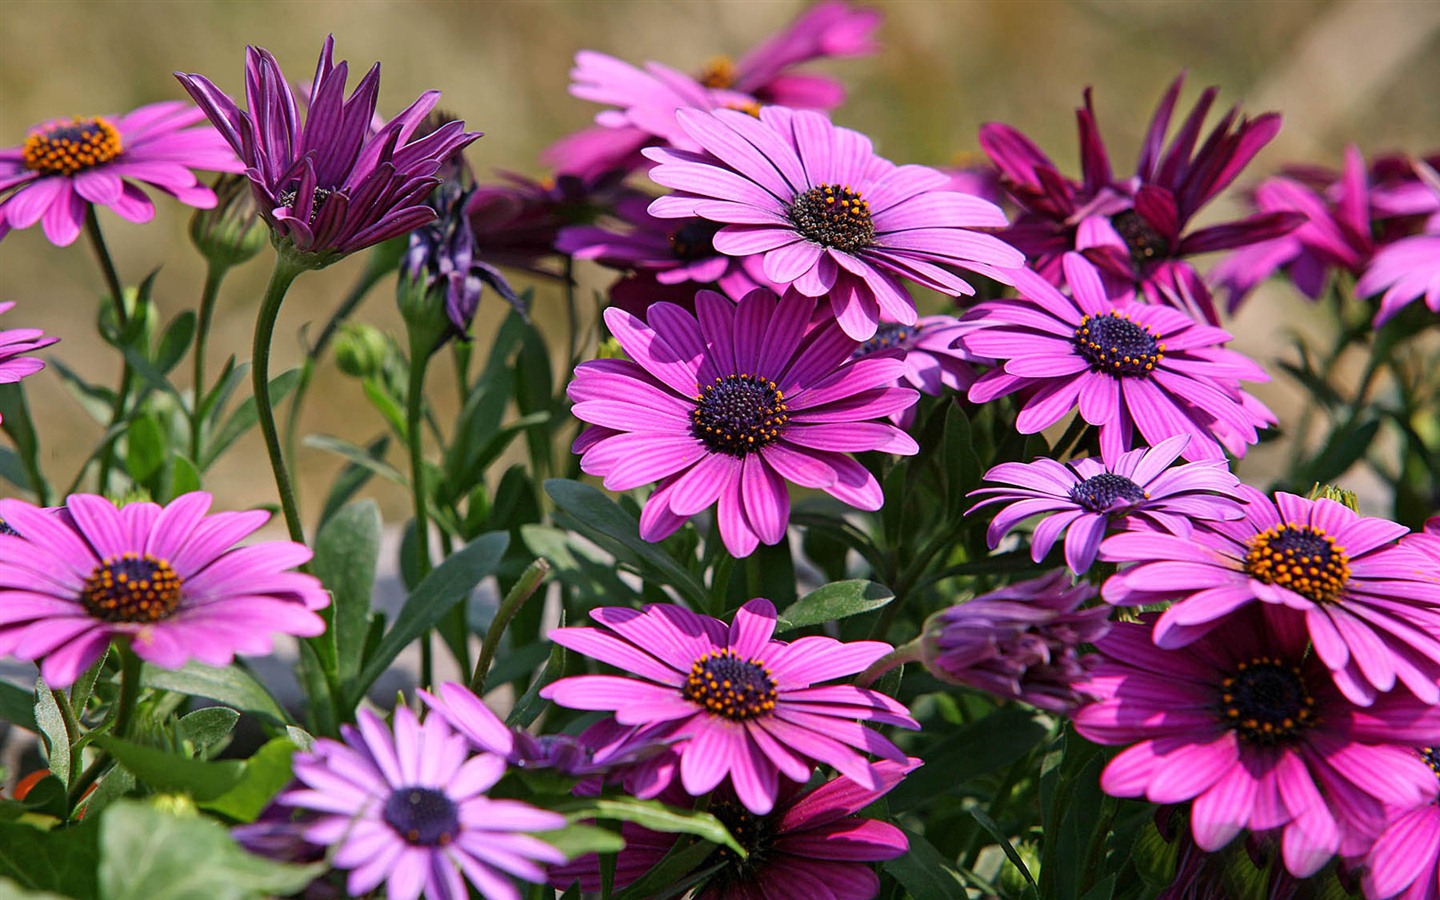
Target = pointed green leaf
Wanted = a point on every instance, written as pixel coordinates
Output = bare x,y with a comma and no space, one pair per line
834,601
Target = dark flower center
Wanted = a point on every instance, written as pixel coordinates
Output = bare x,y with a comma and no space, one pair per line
729,686
132,588
1115,344
423,816
833,216
719,73
887,336
64,148
693,241
1144,242
755,833
317,202
1099,492
1302,558
738,414
6,529
1431,756
1266,702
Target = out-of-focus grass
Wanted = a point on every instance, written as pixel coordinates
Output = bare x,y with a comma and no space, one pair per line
1362,71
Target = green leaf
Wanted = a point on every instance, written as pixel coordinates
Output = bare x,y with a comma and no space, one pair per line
185,477
62,860
15,421
266,774
656,816
449,584
356,456
834,601
175,341
674,874
528,708
924,873
225,385
51,723
231,686
245,416
1011,853
205,728
144,448
95,399
578,840
172,772
953,758
352,478
17,706
388,407
147,854
9,890
346,551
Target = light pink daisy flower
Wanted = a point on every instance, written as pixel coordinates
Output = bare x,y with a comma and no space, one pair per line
14,343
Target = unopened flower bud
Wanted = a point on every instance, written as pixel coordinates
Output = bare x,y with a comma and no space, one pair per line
230,233
1338,494
361,350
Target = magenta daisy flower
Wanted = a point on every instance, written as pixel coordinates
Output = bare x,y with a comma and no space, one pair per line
1405,861
331,186
1406,271
739,704
14,343
1087,498
827,215
812,844
169,580
729,405
1128,367
1372,612
66,165
516,222
1248,727
410,810
932,361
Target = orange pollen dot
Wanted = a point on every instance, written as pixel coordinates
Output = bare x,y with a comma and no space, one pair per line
132,588
67,146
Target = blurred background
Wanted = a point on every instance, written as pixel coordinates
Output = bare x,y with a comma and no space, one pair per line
1341,71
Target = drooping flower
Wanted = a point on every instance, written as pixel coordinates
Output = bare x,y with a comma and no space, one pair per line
1128,367
14,343
409,809
1248,726
1371,612
740,705
1406,271
1405,861
728,407
1088,498
827,215
1021,641
67,165
932,362
812,844
170,581
330,187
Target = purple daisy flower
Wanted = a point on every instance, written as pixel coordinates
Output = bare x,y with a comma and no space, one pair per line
827,215
66,165
739,704
1405,861
1372,612
1021,641
331,186
1406,271
169,580
1087,498
932,361
1250,728
517,222
410,810
14,343
812,844
729,406
1127,367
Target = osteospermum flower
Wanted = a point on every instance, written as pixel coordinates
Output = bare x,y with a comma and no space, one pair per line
409,809
932,363
729,407
67,165
827,215
1087,498
1406,271
14,343
516,222
741,705
331,186
1369,606
1128,367
170,581
1405,861
1250,729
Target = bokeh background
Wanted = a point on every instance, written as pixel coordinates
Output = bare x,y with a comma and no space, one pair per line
1341,71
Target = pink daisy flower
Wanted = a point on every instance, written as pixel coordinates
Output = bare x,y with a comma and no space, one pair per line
827,215
933,363
1248,727
1406,271
14,343
1405,861
1371,610
741,705
1128,367
1085,499
66,165
727,406
168,580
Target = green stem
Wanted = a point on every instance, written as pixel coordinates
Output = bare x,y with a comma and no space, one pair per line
281,277
129,690
122,321
572,313
905,653
214,275
524,589
107,265
414,438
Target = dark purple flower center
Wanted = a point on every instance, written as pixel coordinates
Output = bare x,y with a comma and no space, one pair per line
693,241
1100,492
729,686
1431,756
755,833
739,414
1302,558
1117,345
888,335
1266,702
423,816
6,529
317,202
833,216
132,588
67,147
1144,242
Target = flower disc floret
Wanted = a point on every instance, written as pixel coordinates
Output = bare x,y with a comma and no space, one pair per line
1267,702
739,414
1299,557
132,587
833,216
69,146
1117,345
422,816
1099,493
726,685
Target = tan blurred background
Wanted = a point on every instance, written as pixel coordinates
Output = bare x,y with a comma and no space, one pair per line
1362,71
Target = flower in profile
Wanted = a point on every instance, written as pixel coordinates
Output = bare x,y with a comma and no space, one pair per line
739,704
1249,727
1406,271
332,186
1128,367
1369,607
409,809
1021,641
169,580
1087,498
812,844
827,215
1405,861
728,406
517,222
67,165
14,343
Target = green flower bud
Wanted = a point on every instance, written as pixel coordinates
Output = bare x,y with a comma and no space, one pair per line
610,349
230,233
1338,494
361,350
